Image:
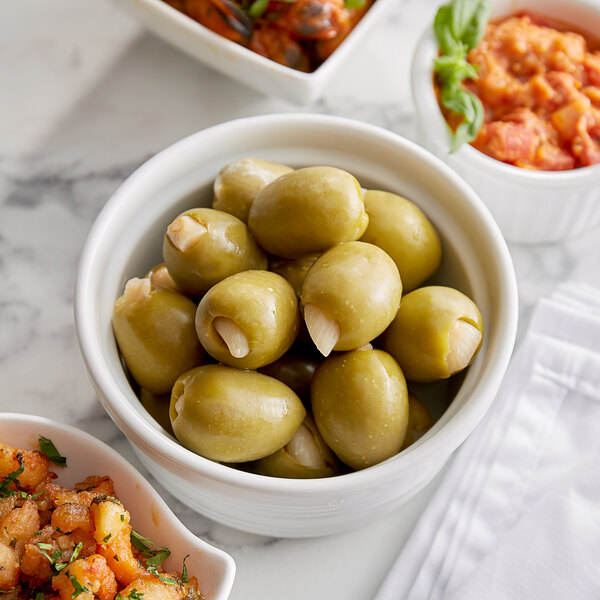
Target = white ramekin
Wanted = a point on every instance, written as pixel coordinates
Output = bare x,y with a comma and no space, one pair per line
150,515
530,206
126,240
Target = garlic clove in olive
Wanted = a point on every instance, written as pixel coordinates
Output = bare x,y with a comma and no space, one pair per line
325,332
304,449
185,232
136,289
233,336
464,339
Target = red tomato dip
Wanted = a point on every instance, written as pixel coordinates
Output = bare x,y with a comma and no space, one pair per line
540,88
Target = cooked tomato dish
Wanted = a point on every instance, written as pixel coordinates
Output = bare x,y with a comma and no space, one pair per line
58,543
540,88
299,34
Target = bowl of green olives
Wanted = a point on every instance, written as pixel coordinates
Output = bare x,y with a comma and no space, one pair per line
295,319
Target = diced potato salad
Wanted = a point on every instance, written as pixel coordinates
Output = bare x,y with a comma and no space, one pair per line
59,543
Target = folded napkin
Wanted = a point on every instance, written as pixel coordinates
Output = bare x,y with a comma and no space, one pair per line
517,514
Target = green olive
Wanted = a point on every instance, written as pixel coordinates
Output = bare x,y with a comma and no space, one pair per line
307,211
249,319
305,456
350,295
154,328
296,369
401,229
360,405
203,246
158,407
294,270
238,183
419,421
436,333
230,415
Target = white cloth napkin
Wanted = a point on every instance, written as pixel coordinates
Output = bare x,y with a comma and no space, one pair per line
517,514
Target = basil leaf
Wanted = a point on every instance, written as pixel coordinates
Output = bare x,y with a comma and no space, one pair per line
355,3
475,28
467,20
49,449
458,27
443,31
467,131
451,70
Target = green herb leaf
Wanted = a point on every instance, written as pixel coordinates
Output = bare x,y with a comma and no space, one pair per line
355,3
458,27
452,70
155,560
184,573
167,580
12,478
143,545
473,112
79,589
135,595
40,596
76,552
443,30
257,8
469,19
49,449
44,546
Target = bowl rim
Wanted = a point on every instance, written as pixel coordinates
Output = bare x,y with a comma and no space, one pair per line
431,118
148,439
143,485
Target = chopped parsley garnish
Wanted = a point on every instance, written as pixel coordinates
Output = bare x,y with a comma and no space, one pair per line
49,449
155,560
76,551
106,538
79,589
12,478
167,580
134,595
55,555
184,574
154,556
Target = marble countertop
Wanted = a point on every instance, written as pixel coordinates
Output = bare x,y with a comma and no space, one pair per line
87,96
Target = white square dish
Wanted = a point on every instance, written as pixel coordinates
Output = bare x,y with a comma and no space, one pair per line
239,62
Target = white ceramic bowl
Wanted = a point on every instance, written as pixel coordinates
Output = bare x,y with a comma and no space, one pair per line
150,515
529,206
240,63
126,241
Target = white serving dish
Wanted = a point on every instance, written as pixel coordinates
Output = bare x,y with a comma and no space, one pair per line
126,241
150,515
240,63
530,206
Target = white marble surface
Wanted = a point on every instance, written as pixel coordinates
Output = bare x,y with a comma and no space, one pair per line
86,95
